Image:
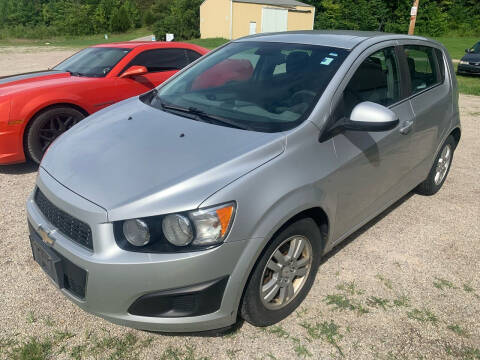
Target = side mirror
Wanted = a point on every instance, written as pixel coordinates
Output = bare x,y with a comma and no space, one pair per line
369,116
366,116
467,50
134,71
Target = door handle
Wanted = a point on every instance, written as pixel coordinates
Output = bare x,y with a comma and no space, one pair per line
406,127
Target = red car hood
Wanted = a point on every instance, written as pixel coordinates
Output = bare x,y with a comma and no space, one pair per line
11,83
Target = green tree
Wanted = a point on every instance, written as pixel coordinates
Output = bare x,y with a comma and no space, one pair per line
120,20
181,17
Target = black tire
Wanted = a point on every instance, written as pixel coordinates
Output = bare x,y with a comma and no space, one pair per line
45,127
430,186
252,309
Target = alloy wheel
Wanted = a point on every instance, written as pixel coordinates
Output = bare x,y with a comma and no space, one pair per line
443,164
286,272
54,127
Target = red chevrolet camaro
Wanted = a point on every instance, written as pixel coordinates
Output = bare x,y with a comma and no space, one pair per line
35,108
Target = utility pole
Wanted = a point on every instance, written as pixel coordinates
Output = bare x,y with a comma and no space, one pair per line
413,17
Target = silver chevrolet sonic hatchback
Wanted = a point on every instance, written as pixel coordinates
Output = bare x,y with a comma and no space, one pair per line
216,195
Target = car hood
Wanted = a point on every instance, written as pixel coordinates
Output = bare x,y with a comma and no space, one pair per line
136,161
472,57
8,82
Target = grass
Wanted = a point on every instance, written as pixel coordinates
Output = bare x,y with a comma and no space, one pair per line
458,330
174,353
125,347
60,335
443,284
328,331
77,41
232,353
386,282
469,85
456,45
463,352
302,351
377,302
31,318
341,302
350,288
208,43
33,349
401,301
278,331
423,316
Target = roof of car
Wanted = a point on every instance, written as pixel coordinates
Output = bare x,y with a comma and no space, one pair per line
275,2
336,38
135,44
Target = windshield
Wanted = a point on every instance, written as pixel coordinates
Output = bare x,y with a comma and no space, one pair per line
259,86
476,48
93,62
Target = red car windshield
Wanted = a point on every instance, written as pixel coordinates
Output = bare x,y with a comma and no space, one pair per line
93,62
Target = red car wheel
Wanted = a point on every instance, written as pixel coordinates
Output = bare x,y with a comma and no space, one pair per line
46,127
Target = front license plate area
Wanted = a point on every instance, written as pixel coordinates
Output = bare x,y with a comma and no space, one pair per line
48,260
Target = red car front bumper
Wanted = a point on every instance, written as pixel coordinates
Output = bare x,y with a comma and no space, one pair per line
11,150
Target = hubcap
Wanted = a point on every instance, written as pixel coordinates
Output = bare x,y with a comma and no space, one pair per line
443,164
286,272
54,127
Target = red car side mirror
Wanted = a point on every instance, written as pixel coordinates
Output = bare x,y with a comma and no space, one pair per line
134,71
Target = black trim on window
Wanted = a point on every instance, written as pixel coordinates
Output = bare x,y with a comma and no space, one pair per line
405,85
441,64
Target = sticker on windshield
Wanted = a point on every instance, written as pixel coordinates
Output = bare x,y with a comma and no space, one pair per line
326,61
333,54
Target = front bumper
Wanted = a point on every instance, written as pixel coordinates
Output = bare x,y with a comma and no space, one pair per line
468,69
11,143
117,278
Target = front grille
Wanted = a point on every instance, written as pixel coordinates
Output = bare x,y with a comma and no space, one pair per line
71,227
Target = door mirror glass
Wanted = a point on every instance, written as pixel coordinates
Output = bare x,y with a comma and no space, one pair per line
134,71
368,116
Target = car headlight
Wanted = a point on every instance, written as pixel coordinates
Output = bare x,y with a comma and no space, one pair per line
136,232
177,229
463,62
184,231
211,226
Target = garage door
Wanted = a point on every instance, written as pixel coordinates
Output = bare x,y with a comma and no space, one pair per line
274,20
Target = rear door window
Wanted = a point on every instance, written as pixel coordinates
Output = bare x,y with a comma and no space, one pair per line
422,67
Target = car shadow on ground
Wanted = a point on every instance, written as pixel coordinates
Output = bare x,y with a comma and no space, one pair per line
227,331
231,330
365,227
19,169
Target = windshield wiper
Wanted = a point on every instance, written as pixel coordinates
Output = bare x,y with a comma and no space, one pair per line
75,73
202,115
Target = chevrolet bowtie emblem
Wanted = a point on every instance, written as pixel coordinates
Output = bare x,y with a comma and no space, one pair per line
45,236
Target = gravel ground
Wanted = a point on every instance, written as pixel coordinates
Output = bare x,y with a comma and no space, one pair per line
19,59
404,287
